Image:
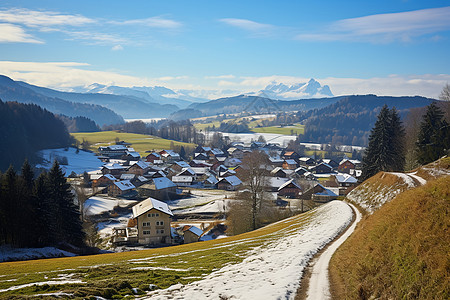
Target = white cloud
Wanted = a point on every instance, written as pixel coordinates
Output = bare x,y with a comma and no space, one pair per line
221,77
95,37
154,22
117,48
65,75
33,18
390,27
15,34
254,28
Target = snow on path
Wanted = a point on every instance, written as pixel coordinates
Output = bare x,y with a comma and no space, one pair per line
407,179
50,282
319,286
418,178
273,271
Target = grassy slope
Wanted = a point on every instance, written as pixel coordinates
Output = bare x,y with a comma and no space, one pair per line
401,251
141,142
113,274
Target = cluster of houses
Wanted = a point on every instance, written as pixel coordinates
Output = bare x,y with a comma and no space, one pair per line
163,175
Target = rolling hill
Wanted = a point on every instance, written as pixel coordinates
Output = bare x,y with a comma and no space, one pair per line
11,90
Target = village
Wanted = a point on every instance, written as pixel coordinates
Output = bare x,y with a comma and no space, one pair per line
161,199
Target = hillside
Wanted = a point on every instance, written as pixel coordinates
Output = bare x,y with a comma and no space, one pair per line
11,90
401,251
384,186
266,263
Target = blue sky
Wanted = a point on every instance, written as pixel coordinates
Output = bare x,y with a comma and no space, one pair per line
390,47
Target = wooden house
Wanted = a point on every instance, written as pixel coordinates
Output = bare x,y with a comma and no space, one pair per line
291,155
290,189
290,164
321,168
114,169
120,188
346,166
230,183
104,180
152,157
139,168
191,234
306,161
153,222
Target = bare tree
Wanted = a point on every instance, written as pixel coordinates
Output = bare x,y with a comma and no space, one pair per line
445,93
254,175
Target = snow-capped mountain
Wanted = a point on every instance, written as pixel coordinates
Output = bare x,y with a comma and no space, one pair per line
281,91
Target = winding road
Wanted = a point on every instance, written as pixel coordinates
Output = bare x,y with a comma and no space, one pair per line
319,285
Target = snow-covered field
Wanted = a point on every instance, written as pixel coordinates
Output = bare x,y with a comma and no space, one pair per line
77,162
283,140
11,254
202,201
272,271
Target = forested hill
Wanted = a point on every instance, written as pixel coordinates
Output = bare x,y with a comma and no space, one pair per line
11,90
25,129
349,120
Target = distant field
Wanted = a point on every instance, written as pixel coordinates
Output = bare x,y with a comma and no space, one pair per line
291,130
324,153
115,274
140,142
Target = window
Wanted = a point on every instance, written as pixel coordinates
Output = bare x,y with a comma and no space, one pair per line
146,232
159,223
157,214
159,231
146,224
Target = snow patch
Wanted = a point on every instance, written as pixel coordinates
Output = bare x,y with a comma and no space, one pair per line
8,253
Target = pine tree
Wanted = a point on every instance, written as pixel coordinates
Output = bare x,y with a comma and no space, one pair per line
433,140
67,226
44,211
378,155
397,142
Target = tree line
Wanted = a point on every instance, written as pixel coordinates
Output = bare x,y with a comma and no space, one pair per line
38,212
388,148
26,129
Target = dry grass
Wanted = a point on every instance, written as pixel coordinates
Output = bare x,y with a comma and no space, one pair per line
401,251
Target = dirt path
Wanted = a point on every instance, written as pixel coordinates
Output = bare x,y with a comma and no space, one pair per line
319,286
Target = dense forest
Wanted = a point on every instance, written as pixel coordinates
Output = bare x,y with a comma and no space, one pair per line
27,128
79,124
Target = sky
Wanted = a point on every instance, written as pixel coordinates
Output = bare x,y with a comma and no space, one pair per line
386,47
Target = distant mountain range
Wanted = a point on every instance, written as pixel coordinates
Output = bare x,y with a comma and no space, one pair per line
11,90
281,91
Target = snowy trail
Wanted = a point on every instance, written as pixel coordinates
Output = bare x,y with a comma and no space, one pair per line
319,286
273,271
419,179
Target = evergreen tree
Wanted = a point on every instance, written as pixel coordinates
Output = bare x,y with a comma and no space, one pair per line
397,142
433,140
66,222
43,211
379,152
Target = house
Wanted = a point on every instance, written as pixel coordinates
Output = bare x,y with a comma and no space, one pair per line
291,155
131,156
290,189
201,156
113,151
235,152
272,184
280,172
319,193
161,188
290,164
152,157
179,165
153,219
330,162
306,161
232,162
346,165
169,156
199,163
210,182
191,234
227,173
139,168
300,171
180,180
276,161
104,180
113,169
230,183
321,168
120,188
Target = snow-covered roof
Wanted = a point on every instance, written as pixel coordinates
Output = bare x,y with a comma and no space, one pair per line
345,178
115,147
186,171
113,166
290,162
195,230
142,179
276,182
124,185
127,176
109,176
155,154
200,170
276,159
163,183
141,164
233,180
133,154
180,179
182,164
211,179
216,151
289,182
148,204
305,158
